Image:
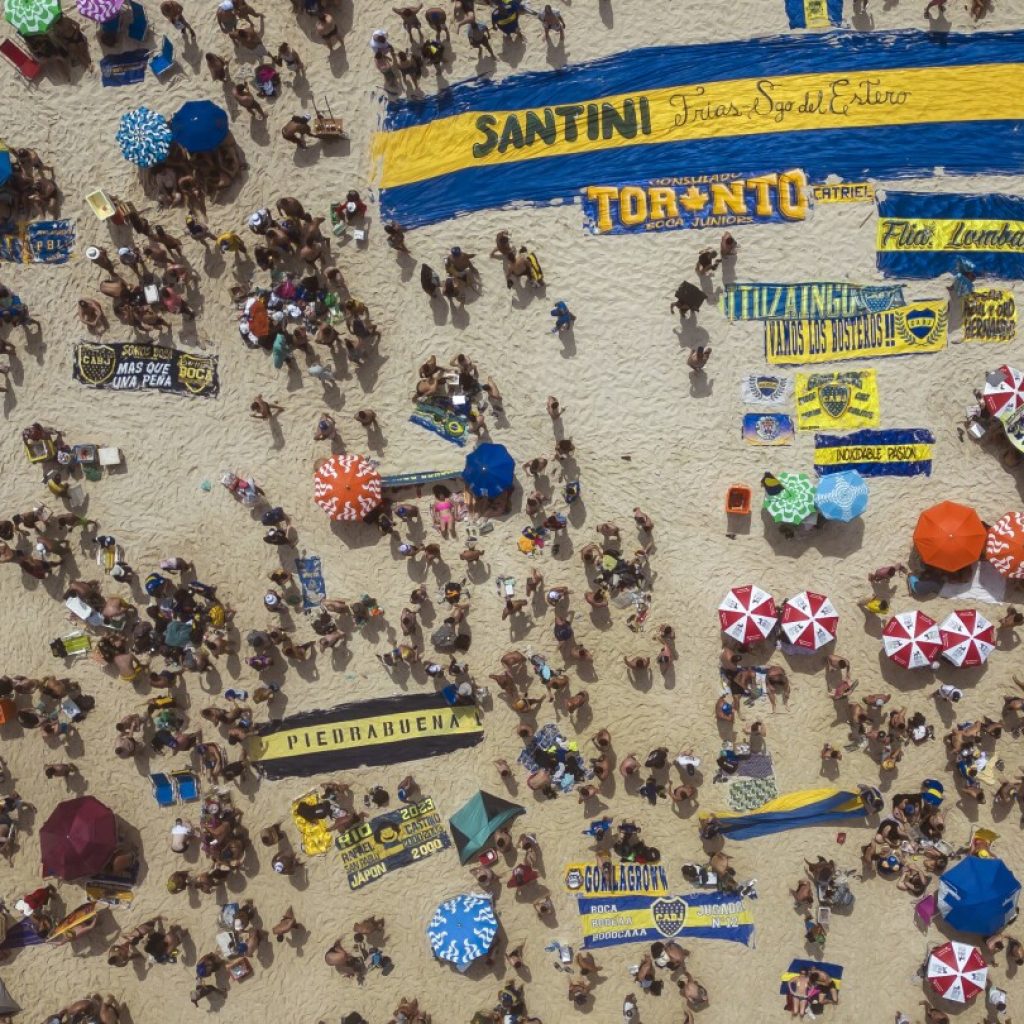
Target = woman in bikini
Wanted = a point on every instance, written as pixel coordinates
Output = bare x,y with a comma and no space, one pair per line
441,512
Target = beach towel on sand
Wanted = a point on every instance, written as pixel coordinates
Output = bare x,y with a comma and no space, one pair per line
441,421
311,580
124,68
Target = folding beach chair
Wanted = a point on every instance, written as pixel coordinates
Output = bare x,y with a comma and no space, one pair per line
163,789
139,25
187,786
27,67
164,60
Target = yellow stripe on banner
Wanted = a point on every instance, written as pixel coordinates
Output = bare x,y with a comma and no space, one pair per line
914,234
599,922
840,455
712,110
399,727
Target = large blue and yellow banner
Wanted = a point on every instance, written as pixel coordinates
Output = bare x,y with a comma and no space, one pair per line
613,920
707,201
900,452
793,810
854,105
915,327
817,300
922,235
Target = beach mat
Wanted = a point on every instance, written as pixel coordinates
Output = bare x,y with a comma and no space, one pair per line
834,971
756,766
546,736
311,580
21,934
441,421
750,794
986,584
317,838
126,68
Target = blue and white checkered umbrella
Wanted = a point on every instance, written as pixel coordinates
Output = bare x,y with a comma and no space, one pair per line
462,930
842,496
144,137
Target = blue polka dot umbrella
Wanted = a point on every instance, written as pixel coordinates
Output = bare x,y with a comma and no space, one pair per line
842,496
462,929
144,137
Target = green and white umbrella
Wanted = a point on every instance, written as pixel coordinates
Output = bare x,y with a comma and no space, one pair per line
30,17
795,502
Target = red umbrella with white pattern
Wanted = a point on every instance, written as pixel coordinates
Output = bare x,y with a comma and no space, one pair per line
968,638
957,971
1004,391
809,620
748,614
911,639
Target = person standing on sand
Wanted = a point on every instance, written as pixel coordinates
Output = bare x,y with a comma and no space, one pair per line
173,12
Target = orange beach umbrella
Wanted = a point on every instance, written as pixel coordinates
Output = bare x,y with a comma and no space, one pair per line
949,536
347,487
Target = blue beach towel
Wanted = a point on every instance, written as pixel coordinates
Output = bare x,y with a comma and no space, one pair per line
124,68
311,580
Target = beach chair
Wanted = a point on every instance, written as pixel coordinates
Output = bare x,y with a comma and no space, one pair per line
737,500
139,25
71,646
925,909
187,786
163,789
164,60
27,67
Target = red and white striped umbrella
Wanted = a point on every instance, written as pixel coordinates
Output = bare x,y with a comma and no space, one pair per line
957,971
968,638
1004,391
747,614
809,620
912,639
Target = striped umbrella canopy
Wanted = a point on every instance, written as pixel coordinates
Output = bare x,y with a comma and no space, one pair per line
842,496
99,10
463,929
1004,391
809,620
144,137
1004,548
968,638
911,639
30,17
795,502
747,614
957,971
346,487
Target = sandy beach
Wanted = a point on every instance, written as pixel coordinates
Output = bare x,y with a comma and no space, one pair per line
647,433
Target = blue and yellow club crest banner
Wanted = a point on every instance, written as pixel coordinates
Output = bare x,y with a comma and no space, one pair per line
903,330
814,13
882,105
922,235
613,920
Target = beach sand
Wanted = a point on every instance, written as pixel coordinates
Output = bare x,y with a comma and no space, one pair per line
646,434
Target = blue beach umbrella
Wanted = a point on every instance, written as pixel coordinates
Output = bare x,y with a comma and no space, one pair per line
144,137
462,930
842,496
199,126
489,470
978,895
